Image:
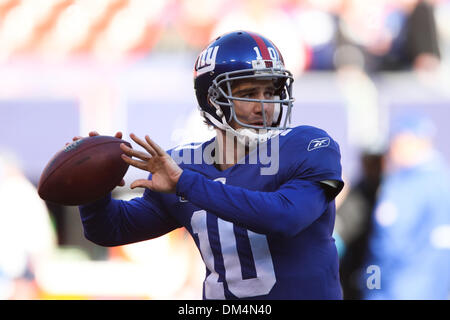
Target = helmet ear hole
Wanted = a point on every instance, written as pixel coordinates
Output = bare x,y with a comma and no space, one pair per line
220,110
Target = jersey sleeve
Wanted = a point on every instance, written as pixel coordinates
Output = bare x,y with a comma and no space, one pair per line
111,222
316,157
284,212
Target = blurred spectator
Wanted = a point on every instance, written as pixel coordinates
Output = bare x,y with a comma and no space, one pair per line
416,45
269,18
390,35
442,16
26,235
196,19
317,21
362,33
411,226
353,223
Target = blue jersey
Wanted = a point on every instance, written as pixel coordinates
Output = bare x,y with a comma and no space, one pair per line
261,236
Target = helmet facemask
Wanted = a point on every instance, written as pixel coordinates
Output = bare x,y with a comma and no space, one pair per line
221,97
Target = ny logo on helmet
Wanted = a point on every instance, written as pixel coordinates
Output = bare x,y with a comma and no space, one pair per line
207,60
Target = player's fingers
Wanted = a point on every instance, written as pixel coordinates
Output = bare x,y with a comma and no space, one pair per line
93,134
142,183
155,146
134,153
143,144
118,135
77,138
135,163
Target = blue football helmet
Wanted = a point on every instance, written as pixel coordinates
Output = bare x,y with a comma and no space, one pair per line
235,56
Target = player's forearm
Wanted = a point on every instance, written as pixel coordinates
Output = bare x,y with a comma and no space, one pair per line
97,224
284,212
102,222
110,222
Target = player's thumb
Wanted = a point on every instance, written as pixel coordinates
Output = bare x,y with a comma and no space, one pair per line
142,183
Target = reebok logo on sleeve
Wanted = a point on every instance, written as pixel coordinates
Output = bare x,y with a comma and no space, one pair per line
318,143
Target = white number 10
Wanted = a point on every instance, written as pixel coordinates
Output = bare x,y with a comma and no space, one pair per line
272,53
241,288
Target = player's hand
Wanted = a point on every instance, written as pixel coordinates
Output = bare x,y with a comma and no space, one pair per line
165,172
118,135
93,134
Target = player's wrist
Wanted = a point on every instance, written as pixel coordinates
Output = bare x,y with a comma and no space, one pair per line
175,179
184,183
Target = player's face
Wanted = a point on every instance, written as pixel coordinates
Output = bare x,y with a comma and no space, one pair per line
251,112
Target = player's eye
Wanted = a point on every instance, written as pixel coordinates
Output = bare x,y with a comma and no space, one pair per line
269,94
247,94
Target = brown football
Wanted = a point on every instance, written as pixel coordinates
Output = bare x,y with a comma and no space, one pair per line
84,171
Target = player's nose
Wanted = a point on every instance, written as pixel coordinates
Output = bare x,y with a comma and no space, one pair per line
259,108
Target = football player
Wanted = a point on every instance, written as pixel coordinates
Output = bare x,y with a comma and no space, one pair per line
261,235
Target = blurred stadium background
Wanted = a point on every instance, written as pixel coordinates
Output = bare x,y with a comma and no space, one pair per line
71,66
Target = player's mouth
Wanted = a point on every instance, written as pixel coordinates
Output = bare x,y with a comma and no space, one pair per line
258,123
